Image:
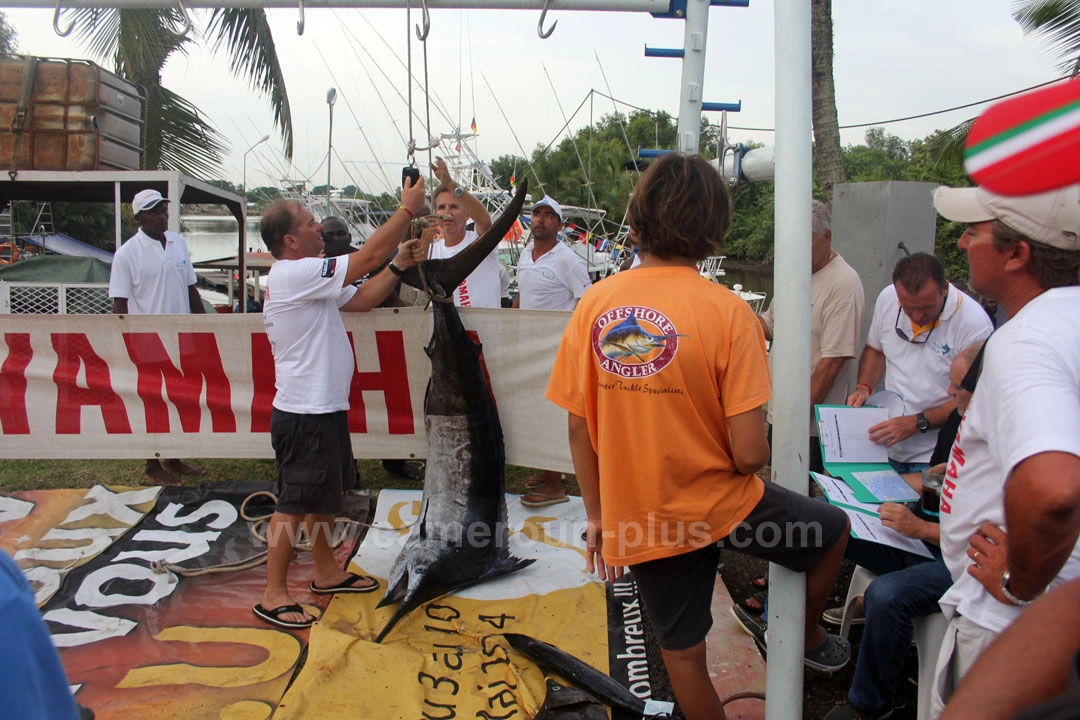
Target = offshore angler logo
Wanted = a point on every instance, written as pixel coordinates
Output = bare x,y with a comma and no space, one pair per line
634,341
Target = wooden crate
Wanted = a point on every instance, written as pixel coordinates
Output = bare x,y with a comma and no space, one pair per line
79,117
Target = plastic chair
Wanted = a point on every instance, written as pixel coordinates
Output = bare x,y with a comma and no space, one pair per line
929,632
860,580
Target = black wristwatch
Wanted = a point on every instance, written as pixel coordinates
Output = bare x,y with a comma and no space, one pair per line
922,423
395,269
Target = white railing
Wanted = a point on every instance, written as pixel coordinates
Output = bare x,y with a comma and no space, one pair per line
41,298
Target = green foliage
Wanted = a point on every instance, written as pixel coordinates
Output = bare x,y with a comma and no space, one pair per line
1056,20
751,235
9,38
226,185
91,223
601,153
263,196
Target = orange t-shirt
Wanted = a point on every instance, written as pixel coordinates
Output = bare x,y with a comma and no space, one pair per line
656,360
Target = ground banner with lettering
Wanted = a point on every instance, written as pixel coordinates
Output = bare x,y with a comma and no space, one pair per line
136,642
50,532
110,386
448,658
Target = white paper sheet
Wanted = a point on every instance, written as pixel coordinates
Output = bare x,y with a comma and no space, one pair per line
845,436
840,493
869,527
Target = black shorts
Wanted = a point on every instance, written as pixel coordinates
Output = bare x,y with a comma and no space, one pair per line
314,460
786,528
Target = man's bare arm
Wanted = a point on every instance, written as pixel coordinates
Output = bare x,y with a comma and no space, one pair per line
871,370
1042,513
379,287
383,241
749,445
765,327
472,206
823,377
195,300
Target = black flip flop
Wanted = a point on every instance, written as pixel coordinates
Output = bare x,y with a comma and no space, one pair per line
346,586
274,616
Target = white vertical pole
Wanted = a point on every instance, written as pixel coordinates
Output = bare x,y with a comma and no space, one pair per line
693,75
791,370
117,228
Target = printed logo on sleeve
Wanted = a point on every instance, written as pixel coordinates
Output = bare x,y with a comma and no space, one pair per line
328,266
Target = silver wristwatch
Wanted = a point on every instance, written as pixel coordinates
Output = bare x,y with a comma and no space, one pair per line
459,191
1009,596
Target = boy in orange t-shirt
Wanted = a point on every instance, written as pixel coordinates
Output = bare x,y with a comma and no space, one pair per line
664,375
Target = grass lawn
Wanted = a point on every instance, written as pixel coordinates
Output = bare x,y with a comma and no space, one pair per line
54,474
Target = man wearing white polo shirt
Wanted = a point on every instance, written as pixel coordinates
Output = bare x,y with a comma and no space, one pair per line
920,323
550,276
152,275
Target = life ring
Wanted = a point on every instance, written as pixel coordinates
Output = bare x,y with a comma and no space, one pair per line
9,253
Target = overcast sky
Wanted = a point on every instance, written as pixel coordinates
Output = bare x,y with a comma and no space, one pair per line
894,58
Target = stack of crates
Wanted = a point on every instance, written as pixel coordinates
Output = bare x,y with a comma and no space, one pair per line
62,114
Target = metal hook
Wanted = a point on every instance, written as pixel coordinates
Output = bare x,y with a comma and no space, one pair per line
427,23
300,22
186,17
56,22
540,25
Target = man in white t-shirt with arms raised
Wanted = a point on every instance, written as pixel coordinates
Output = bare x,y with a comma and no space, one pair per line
920,323
152,275
550,276
314,363
454,205
1010,504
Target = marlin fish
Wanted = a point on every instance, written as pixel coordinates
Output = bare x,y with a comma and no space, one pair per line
629,338
461,538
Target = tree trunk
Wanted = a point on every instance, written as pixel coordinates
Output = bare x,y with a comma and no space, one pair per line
830,161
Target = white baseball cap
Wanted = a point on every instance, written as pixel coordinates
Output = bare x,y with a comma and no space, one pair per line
1049,218
144,200
549,202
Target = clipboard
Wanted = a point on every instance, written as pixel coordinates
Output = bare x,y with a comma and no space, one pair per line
837,422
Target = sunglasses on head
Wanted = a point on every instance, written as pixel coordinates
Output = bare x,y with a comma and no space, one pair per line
915,340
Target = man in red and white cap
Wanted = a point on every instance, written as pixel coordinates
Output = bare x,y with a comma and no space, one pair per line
152,275
1017,453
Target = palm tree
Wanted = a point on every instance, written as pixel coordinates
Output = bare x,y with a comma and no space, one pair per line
138,43
1059,20
830,159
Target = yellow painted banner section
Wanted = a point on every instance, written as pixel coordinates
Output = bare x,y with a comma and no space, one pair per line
282,652
446,659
